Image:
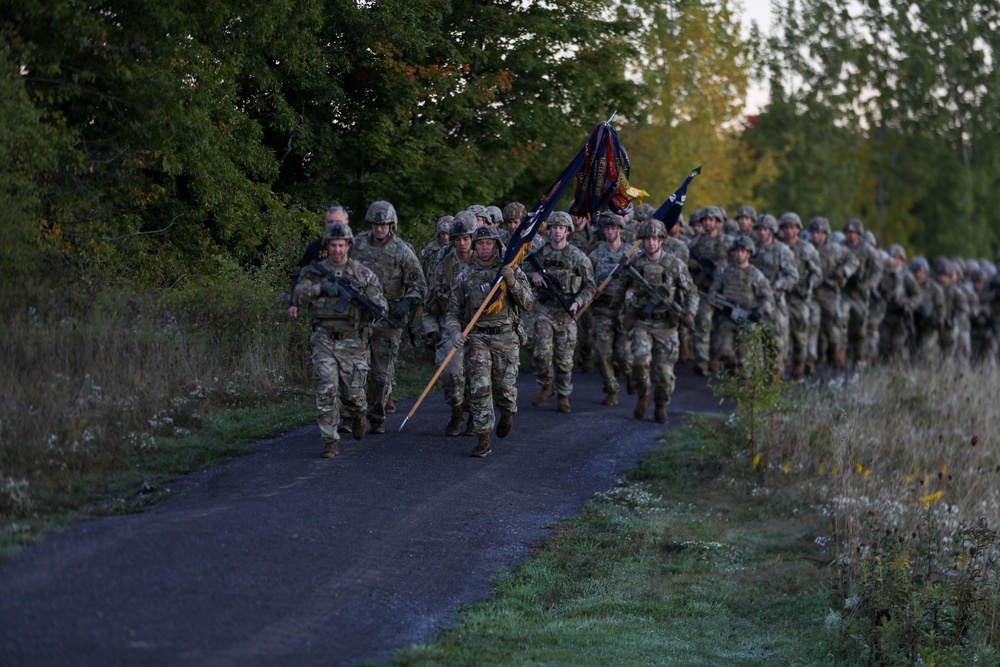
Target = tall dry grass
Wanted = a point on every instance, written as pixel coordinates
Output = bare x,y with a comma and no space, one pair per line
86,389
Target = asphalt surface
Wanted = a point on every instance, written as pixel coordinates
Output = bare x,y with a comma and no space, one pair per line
280,557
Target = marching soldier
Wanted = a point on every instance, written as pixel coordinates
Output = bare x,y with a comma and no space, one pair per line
743,296
611,341
658,296
858,289
335,290
708,254
492,348
564,283
930,314
404,287
430,254
896,333
826,319
776,261
799,298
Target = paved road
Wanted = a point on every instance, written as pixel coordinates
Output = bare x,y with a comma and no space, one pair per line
282,558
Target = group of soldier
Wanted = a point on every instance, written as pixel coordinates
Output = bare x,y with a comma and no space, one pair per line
622,294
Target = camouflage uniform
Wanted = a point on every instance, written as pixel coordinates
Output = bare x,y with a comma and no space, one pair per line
747,287
897,335
339,344
492,349
711,250
404,287
857,294
799,298
929,315
431,253
777,262
827,316
586,238
441,284
652,325
955,335
611,341
556,329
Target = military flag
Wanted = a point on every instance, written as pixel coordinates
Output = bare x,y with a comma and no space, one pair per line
670,212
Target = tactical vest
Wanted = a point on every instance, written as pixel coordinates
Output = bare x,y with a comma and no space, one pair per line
384,262
605,261
322,309
563,266
478,282
738,285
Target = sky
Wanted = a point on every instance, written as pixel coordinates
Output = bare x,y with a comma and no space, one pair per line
760,11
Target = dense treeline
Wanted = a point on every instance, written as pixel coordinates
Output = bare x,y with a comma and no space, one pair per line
144,144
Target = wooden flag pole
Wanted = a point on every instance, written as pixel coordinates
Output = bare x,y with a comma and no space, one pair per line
607,280
451,352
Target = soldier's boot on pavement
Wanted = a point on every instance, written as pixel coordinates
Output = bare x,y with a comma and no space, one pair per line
454,426
641,406
701,368
610,399
685,352
482,448
543,395
468,426
390,405
504,425
359,427
563,404
377,428
629,384
660,413
331,449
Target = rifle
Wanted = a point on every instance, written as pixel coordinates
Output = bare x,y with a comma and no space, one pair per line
600,289
552,285
707,264
737,311
349,292
657,295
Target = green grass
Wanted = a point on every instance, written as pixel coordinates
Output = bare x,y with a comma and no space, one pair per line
682,565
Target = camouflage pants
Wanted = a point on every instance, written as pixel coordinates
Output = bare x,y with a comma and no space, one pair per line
555,342
894,337
340,370
798,329
829,325
611,345
928,343
701,336
491,363
655,347
453,375
780,327
384,346
856,311
876,313
727,340
585,338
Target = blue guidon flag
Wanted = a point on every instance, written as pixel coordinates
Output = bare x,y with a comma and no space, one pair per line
670,212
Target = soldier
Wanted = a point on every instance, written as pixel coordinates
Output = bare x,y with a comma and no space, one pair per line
658,295
340,334
611,341
743,296
746,221
776,261
432,251
708,254
799,298
564,282
316,250
492,352
482,215
442,283
896,333
513,214
858,289
983,342
955,335
404,287
826,318
930,314
496,219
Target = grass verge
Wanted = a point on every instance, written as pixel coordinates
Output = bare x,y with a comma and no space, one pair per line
681,565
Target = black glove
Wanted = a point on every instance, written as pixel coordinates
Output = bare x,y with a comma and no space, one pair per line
401,309
329,288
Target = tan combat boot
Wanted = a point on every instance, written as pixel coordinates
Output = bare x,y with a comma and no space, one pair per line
331,449
799,371
563,404
641,406
610,399
504,425
377,428
543,395
454,426
359,427
390,405
483,448
660,413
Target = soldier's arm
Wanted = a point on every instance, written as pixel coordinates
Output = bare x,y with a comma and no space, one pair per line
521,291
305,288
589,288
788,274
413,278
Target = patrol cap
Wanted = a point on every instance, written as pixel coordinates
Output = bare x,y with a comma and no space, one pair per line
381,212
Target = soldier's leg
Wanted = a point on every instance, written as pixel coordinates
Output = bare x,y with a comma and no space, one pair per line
604,341
623,352
325,372
666,351
798,332
479,363
780,336
585,341
564,341
506,357
543,350
857,322
813,349
453,375
642,350
724,341
702,336
384,346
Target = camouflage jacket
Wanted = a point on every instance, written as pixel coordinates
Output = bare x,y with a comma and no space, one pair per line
604,260
442,283
778,265
396,265
869,272
837,264
930,312
669,276
429,257
807,262
473,285
353,319
712,250
747,287
573,271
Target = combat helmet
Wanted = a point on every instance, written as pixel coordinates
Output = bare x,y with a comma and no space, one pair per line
767,221
644,212
919,264
514,211
790,218
479,211
495,214
464,224
820,224
743,243
486,232
715,212
443,225
897,251
609,219
652,228
338,230
854,225
560,219
748,211
381,212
